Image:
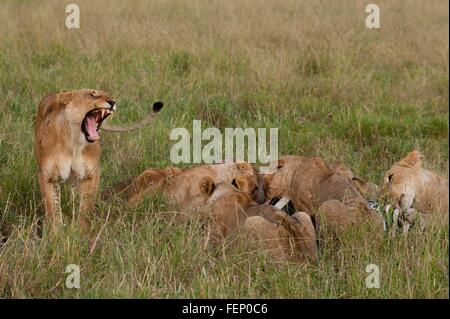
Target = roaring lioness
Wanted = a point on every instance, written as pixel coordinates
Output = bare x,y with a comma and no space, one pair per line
416,191
67,146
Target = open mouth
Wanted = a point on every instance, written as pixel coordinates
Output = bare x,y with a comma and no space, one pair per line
92,122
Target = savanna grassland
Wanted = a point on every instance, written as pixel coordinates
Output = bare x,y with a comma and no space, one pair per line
334,89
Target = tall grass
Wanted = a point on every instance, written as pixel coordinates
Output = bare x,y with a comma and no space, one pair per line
334,89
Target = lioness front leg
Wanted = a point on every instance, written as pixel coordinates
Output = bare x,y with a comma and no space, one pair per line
88,191
52,202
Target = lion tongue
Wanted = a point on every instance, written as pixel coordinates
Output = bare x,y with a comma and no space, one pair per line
92,127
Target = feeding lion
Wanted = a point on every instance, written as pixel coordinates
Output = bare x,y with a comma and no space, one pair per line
414,190
181,186
320,191
231,212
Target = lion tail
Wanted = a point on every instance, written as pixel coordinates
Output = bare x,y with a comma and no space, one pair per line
146,121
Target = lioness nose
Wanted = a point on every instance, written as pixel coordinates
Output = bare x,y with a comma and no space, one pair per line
111,103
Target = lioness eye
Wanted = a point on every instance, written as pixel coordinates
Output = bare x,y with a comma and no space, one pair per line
390,178
234,183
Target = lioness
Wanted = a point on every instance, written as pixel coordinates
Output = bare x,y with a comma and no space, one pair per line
181,186
317,189
231,212
67,146
309,182
418,192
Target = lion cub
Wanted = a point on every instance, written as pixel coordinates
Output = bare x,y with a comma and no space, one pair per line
67,147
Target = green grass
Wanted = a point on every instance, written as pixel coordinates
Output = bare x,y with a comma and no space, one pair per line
333,88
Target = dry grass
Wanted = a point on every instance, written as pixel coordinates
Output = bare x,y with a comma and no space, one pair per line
334,88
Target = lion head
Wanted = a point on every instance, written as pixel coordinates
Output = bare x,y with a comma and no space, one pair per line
403,181
241,175
225,207
86,109
277,182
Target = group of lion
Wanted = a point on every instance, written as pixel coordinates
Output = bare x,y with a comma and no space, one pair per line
284,212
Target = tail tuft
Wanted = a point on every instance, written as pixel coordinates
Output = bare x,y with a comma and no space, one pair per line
157,106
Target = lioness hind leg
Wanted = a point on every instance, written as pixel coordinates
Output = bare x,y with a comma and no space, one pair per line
305,236
119,190
332,219
52,203
300,230
264,235
134,190
87,188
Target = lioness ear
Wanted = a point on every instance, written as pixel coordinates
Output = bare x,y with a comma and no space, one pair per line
359,179
243,165
95,93
65,97
280,164
173,171
239,182
207,185
413,159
